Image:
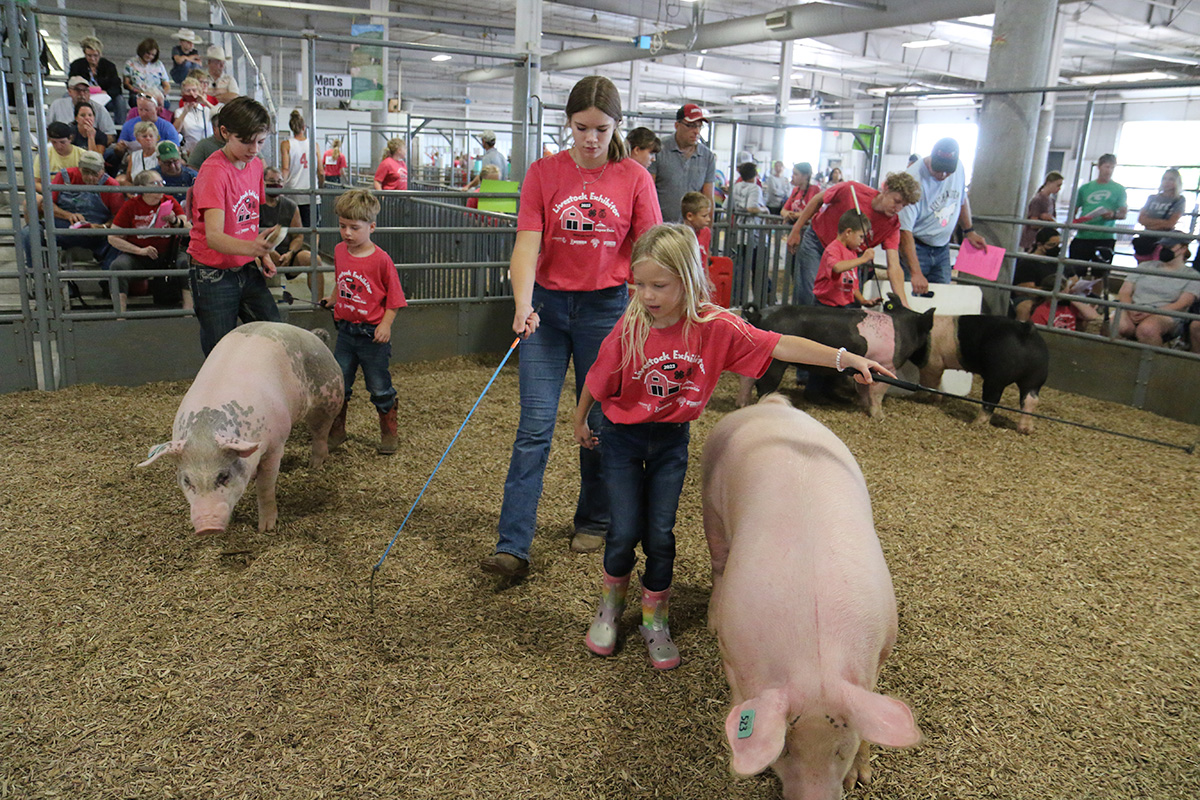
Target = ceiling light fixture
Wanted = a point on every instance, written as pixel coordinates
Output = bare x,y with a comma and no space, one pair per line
925,43
442,57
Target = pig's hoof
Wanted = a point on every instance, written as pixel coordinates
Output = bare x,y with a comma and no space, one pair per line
860,770
982,419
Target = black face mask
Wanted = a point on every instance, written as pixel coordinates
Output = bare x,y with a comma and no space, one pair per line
1053,250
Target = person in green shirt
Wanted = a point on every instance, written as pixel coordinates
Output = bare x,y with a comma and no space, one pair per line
1098,202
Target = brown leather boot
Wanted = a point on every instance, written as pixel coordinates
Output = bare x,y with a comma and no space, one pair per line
388,440
337,433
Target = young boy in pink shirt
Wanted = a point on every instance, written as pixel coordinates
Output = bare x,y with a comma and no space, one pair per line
837,277
697,213
366,295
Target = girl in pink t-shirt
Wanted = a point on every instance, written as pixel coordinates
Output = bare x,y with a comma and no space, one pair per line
654,374
392,173
580,212
230,258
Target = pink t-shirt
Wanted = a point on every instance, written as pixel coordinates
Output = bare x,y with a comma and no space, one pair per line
831,288
587,231
676,378
1065,316
838,200
392,174
366,286
333,166
237,192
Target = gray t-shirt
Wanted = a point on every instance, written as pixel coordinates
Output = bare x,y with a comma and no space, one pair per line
932,219
496,158
203,149
1158,290
675,175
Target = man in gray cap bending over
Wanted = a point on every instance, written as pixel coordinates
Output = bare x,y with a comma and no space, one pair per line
685,164
926,226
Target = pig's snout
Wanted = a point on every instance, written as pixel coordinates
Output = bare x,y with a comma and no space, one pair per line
212,519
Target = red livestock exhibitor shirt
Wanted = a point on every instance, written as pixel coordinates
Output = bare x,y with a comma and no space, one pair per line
237,192
704,239
833,288
588,230
885,230
675,379
137,214
392,174
366,286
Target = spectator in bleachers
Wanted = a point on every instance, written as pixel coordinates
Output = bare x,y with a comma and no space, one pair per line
62,153
277,209
147,109
144,157
194,117
94,208
224,86
1030,273
206,147
1160,292
145,73
184,56
1069,314
173,171
151,210
63,109
101,75
84,131
392,173
1098,202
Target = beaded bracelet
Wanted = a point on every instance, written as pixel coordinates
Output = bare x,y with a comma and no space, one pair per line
838,362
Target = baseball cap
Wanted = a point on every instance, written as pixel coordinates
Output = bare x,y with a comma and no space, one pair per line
215,52
746,157
944,156
168,150
76,80
691,113
91,161
488,136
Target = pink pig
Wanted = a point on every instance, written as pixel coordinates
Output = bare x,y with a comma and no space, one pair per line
236,417
802,602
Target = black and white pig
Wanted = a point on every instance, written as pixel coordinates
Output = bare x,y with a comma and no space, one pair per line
998,349
891,338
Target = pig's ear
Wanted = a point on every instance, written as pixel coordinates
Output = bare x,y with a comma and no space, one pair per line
757,730
881,719
169,449
240,447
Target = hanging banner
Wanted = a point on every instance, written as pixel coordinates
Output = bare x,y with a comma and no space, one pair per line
366,68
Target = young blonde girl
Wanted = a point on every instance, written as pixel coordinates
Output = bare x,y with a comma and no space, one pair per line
655,373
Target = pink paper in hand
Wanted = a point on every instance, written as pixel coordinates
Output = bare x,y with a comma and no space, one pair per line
980,263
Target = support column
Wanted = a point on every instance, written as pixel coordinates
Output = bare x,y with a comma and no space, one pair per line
1021,43
527,82
782,100
1045,131
379,116
635,83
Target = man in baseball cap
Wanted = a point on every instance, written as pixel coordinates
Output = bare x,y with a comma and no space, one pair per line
491,155
926,226
79,91
685,164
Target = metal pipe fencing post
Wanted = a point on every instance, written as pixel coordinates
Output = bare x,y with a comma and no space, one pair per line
314,208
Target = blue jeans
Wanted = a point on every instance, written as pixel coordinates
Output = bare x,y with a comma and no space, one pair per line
573,324
934,261
644,468
356,346
805,264
223,296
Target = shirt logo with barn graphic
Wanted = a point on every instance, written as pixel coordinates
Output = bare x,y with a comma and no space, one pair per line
669,379
586,217
245,212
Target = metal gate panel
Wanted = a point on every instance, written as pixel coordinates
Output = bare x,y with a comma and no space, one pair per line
17,370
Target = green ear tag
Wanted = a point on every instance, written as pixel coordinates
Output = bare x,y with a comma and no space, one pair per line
746,724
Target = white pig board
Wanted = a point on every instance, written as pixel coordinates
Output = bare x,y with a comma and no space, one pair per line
950,299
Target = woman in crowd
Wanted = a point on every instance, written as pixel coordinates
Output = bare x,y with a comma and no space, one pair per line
193,118
392,173
581,211
1160,213
145,73
293,163
102,76
1041,206
83,130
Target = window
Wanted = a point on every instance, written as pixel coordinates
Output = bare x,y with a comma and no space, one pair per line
1144,150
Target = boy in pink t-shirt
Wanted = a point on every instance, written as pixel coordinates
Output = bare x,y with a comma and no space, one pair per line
366,295
837,277
697,214
230,258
